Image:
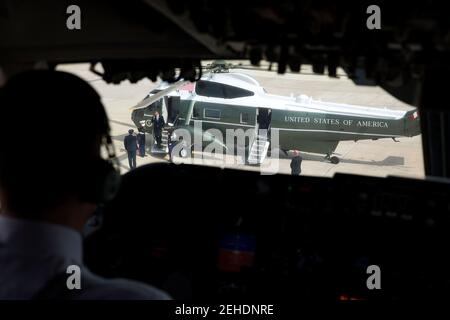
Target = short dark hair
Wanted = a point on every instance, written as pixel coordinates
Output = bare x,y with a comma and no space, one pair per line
51,125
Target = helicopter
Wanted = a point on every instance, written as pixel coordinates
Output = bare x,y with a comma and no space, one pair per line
224,100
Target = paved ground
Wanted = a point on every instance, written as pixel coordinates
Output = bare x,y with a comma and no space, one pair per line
379,158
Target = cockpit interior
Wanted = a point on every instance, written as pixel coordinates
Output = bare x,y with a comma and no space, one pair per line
205,233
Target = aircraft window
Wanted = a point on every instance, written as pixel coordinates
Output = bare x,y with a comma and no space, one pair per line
212,114
235,92
244,117
218,90
325,139
210,89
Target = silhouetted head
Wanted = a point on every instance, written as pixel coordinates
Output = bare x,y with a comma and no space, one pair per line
131,131
42,168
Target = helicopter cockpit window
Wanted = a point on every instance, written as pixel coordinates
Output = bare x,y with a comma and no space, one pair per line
235,92
219,90
210,89
339,114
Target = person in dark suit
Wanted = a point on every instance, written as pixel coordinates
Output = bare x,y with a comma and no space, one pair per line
158,125
296,164
141,141
131,146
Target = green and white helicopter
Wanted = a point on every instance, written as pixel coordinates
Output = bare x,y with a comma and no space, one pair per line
224,100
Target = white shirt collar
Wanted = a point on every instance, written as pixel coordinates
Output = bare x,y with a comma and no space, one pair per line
35,238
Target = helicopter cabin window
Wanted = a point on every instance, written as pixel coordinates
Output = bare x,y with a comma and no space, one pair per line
212,114
219,90
244,117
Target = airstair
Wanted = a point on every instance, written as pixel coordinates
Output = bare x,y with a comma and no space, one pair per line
259,148
164,143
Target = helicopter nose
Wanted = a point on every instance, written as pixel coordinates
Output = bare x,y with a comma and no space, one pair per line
412,123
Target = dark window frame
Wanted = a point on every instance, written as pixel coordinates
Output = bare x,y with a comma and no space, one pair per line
241,118
212,118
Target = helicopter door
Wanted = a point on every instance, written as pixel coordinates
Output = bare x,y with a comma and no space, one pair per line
264,117
173,105
259,144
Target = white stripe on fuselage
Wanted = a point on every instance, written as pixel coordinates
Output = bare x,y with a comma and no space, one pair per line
302,130
344,132
263,100
228,123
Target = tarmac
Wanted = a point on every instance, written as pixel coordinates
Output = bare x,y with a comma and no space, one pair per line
375,158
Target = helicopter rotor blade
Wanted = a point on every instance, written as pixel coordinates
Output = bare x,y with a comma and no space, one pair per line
151,99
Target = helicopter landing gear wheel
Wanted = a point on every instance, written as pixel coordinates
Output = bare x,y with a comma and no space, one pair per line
183,153
334,160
